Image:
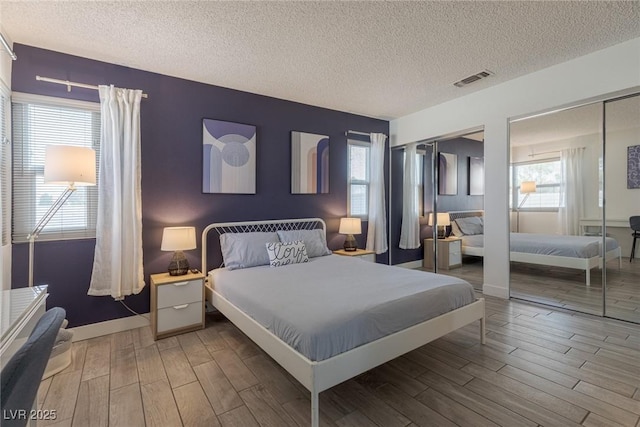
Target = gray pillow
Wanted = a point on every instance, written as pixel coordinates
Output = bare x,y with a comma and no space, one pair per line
314,240
471,225
243,250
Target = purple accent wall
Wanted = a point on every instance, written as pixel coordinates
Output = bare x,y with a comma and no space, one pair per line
171,129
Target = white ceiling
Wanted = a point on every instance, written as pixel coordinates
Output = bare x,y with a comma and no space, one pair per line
380,59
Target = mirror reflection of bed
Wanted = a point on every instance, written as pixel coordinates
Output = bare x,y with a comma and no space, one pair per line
559,179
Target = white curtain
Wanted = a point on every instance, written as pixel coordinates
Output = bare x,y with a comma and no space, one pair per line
410,231
571,190
377,227
117,265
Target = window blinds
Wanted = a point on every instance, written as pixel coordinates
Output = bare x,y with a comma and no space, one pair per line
36,124
5,171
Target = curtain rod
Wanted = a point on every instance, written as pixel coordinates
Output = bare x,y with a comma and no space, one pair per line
6,46
355,132
543,152
69,84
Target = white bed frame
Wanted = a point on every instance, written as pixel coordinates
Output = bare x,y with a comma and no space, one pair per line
322,375
585,264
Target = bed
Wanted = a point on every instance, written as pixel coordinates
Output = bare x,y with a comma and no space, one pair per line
577,252
285,309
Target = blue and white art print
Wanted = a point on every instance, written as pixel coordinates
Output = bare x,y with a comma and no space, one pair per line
309,163
633,166
229,157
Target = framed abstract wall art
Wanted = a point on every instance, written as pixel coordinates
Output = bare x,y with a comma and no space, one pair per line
309,163
633,166
447,174
476,176
229,157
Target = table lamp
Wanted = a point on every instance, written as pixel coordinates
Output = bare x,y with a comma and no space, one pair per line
178,239
443,221
69,165
350,226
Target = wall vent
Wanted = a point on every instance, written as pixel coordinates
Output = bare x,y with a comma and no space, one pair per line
473,78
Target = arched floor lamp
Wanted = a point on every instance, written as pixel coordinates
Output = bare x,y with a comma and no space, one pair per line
526,188
68,165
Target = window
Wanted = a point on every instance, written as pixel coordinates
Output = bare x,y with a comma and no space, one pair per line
358,189
38,122
5,170
547,175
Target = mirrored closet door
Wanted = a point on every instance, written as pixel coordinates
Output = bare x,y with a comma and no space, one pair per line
573,193
451,191
622,204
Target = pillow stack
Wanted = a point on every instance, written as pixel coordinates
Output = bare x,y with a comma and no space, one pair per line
284,247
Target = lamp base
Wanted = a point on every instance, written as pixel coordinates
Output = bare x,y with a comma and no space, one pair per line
350,243
178,265
442,232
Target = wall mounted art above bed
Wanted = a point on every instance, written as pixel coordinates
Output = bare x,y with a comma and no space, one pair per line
229,157
476,176
309,163
447,174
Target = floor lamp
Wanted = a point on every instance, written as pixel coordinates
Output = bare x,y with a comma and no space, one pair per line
526,188
63,165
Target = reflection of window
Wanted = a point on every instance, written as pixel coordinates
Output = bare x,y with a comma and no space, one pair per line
358,188
547,175
36,124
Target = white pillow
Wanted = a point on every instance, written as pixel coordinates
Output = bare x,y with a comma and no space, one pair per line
471,225
314,240
455,230
285,253
244,250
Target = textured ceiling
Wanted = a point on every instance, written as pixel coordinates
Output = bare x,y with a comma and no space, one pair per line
380,59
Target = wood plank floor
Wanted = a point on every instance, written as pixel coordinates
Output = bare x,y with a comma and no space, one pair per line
540,366
565,287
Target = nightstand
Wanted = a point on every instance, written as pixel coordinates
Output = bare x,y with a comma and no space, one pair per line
177,304
361,254
449,253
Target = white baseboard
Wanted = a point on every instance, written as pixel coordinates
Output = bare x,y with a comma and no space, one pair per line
495,291
411,264
109,327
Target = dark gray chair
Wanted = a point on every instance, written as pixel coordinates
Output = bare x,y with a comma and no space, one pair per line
21,376
634,222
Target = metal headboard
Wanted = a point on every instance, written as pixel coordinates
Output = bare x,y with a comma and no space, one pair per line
255,226
464,214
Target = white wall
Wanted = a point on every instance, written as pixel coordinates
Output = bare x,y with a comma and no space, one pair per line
597,75
5,85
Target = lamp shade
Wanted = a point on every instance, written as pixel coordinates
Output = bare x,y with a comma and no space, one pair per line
527,187
178,239
443,219
70,165
350,226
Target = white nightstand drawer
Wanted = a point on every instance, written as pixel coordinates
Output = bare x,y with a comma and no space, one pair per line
368,257
455,248
179,316
178,293
455,258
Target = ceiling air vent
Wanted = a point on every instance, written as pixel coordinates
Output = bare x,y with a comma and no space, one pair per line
473,78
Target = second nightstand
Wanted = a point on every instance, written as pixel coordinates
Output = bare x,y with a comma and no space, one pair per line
359,253
449,253
177,304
